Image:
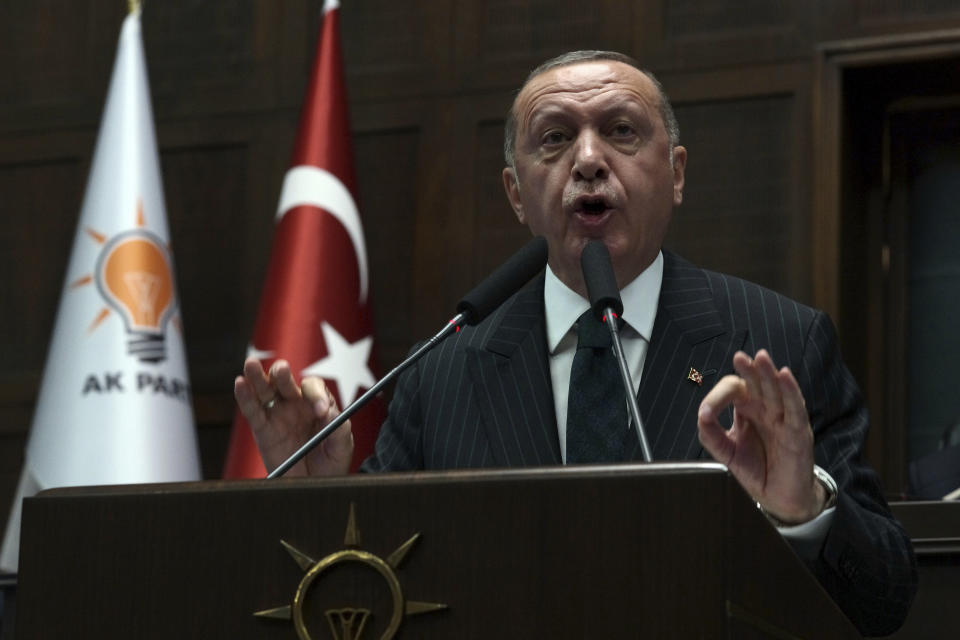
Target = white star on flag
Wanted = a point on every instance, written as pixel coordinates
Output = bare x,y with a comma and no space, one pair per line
259,354
345,364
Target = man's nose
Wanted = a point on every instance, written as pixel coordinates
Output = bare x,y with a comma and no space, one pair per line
590,161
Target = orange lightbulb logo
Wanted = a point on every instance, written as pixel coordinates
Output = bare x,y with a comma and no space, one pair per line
133,274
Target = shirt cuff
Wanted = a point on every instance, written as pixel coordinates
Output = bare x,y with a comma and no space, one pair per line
807,538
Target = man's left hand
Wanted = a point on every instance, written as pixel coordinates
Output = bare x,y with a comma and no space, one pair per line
769,449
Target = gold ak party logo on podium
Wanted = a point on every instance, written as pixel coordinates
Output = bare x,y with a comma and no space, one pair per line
323,581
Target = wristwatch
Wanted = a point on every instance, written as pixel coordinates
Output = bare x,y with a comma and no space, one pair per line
829,485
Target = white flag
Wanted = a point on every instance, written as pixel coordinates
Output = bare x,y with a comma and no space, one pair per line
114,405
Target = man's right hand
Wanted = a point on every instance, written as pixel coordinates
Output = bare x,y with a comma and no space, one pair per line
284,415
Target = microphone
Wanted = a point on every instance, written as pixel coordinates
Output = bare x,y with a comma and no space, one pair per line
601,283
474,307
607,306
507,278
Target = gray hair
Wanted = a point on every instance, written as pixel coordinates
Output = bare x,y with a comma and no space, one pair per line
574,57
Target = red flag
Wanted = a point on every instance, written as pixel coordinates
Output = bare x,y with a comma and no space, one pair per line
315,309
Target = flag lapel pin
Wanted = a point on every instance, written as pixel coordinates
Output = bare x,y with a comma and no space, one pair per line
695,376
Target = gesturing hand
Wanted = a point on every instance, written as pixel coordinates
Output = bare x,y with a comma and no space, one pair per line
284,415
769,449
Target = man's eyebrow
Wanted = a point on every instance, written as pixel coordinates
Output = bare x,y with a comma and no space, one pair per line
638,110
633,107
547,115
549,111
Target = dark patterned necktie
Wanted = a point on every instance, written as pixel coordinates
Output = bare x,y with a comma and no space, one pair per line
597,429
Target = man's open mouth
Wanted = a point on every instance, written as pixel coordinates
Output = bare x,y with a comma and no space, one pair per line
592,205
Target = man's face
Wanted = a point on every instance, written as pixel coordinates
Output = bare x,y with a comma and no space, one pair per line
592,160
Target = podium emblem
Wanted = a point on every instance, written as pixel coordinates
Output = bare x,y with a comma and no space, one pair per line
347,623
350,620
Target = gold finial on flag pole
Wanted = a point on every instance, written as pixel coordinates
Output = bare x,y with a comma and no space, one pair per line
134,5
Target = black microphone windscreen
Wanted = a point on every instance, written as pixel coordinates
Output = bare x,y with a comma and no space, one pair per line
600,280
504,281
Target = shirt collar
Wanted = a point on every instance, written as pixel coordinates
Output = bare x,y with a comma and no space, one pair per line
564,305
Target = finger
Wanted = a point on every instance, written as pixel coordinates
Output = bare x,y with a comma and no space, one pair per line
335,453
247,400
331,413
257,378
794,408
339,445
769,386
729,390
718,442
744,365
316,392
252,367
713,436
282,379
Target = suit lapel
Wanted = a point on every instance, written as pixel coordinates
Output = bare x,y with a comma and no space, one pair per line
511,378
688,333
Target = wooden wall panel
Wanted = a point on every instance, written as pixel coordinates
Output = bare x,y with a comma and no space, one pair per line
214,57
691,19
388,200
900,11
842,20
693,34
739,196
39,198
495,227
499,41
56,62
446,207
202,207
397,49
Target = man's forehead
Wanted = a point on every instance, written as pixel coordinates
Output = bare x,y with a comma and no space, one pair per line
584,80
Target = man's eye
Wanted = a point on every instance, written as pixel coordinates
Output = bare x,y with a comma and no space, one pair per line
622,129
554,137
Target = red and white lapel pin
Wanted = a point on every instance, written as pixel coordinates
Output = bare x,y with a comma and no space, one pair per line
695,376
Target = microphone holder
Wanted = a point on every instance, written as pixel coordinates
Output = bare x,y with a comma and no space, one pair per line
610,317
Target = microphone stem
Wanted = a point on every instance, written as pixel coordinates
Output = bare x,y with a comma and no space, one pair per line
632,405
453,325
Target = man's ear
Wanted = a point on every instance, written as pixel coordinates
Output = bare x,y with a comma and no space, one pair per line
512,187
679,165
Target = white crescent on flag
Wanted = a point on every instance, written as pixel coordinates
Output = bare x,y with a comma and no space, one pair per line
313,186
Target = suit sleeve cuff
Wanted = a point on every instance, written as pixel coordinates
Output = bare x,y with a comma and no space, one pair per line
813,531
807,539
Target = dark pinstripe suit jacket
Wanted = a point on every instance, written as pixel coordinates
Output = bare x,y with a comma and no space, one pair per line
484,399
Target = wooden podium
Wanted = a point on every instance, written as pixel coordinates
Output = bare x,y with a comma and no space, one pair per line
627,551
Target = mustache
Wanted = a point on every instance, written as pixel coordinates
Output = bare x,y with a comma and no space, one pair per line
600,191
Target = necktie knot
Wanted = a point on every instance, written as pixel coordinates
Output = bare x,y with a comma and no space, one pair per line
593,333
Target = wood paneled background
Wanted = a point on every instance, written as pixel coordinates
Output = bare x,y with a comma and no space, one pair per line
429,84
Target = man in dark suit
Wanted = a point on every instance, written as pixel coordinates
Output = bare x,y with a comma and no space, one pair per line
592,150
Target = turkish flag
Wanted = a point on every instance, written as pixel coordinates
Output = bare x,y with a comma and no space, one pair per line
315,310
